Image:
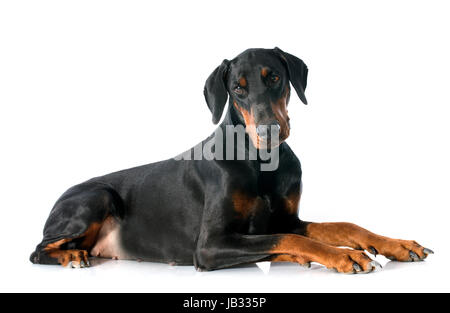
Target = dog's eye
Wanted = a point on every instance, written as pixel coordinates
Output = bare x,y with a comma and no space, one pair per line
274,78
239,90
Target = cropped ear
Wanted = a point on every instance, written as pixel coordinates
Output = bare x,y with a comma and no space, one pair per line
297,71
215,91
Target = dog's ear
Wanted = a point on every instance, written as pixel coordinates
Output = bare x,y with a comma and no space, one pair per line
215,91
297,71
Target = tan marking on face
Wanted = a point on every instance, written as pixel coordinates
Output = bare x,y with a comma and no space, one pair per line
242,82
250,126
279,109
264,72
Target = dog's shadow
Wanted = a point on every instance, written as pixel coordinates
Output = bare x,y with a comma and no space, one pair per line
265,268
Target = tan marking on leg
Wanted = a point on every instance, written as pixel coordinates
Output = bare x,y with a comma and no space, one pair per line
75,256
56,244
304,250
64,257
287,258
351,235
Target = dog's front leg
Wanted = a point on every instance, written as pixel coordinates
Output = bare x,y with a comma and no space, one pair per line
226,251
351,235
344,234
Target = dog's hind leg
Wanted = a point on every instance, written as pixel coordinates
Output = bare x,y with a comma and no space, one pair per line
74,224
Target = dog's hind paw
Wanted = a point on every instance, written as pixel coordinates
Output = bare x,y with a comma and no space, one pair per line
72,258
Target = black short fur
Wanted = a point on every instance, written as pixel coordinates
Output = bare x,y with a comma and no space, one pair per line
182,211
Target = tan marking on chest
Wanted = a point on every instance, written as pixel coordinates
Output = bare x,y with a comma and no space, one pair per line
108,243
243,203
291,202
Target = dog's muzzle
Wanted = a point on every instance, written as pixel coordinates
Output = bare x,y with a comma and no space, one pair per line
266,132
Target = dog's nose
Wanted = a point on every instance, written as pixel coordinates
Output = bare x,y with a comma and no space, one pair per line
266,131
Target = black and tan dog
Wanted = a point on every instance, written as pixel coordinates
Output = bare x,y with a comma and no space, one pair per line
215,213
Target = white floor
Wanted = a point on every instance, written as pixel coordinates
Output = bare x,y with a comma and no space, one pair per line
94,87
130,276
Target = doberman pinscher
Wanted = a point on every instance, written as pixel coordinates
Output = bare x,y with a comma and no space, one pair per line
216,213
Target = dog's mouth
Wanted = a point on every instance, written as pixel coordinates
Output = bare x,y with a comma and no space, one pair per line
270,134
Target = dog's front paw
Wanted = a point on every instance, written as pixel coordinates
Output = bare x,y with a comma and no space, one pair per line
351,262
400,250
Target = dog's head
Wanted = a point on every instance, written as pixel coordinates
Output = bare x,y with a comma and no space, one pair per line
257,82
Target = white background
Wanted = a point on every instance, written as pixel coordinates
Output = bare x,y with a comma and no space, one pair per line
91,87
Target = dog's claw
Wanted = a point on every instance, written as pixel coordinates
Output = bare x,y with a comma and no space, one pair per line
306,265
81,264
74,265
414,257
375,265
373,251
356,267
428,251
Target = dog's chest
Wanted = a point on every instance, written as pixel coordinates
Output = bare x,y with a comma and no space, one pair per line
252,213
